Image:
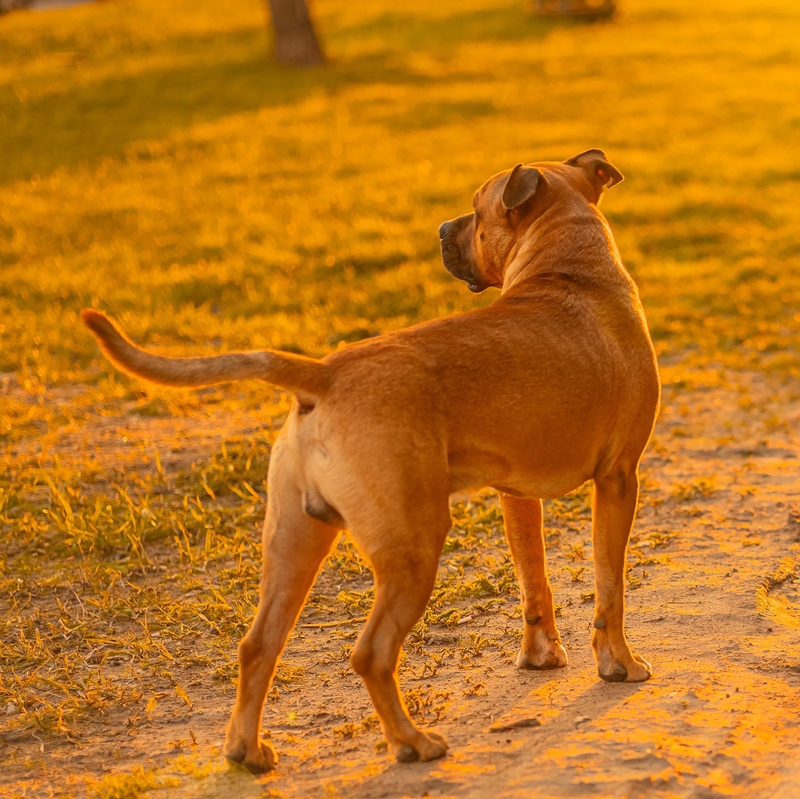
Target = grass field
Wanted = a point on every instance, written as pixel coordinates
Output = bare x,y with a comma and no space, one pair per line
155,163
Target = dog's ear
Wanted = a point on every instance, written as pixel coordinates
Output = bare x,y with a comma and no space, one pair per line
599,169
520,186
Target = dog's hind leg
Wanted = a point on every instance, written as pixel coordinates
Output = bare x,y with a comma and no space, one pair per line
541,643
404,560
616,491
294,547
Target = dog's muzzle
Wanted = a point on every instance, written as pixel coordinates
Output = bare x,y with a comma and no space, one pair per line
451,254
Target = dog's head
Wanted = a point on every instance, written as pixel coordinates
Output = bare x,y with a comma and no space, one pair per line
477,247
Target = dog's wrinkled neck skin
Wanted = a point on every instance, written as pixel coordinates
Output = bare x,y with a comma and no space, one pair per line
535,219
557,242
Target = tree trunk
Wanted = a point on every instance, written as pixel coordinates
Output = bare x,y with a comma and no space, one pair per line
586,9
295,40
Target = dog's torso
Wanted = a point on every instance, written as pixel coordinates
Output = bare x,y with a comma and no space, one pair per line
528,395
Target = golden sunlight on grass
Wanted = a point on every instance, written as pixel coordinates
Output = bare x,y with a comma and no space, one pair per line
155,163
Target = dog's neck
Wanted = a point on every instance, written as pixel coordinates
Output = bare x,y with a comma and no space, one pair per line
574,241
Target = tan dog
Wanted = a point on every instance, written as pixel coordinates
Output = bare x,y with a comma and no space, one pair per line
552,385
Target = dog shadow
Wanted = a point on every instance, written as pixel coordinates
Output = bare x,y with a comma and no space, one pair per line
418,779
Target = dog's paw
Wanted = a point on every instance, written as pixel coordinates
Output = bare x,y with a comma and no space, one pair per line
257,760
438,746
541,650
554,659
428,746
637,670
640,670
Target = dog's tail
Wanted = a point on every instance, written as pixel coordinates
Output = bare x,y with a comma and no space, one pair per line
287,370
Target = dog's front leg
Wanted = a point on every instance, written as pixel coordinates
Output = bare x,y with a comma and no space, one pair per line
541,642
294,547
615,496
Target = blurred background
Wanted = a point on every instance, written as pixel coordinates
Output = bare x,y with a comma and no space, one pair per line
157,160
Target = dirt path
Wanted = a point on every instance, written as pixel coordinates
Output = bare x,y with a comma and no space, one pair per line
718,615
713,603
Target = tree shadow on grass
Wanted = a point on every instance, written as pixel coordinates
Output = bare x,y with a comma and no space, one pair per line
233,74
95,120
402,31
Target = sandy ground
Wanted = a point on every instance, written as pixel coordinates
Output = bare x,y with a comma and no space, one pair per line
714,604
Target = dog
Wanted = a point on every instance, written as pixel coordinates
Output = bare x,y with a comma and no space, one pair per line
553,384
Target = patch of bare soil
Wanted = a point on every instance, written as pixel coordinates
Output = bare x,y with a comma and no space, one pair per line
712,602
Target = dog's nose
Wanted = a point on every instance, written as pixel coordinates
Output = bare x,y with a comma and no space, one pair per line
443,228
